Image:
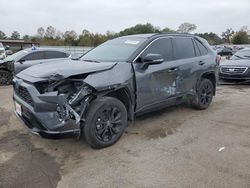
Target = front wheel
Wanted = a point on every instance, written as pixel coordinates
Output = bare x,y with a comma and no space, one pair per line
105,123
204,96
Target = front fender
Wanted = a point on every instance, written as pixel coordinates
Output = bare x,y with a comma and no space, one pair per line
120,75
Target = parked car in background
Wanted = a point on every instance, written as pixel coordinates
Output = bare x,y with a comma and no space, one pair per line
9,52
2,51
237,67
226,51
23,59
114,82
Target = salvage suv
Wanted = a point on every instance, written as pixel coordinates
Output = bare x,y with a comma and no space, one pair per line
99,93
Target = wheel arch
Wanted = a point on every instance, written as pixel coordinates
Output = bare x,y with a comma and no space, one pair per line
210,76
125,97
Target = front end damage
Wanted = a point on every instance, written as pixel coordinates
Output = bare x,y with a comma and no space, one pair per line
52,99
53,109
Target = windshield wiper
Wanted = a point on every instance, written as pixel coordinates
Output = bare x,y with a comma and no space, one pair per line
89,60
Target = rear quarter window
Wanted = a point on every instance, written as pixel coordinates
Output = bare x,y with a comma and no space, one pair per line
183,48
203,50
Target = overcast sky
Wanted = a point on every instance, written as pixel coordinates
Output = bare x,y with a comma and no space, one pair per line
26,16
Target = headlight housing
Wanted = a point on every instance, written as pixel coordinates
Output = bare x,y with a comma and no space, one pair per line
79,95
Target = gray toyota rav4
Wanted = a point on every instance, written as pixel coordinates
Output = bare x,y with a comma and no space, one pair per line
110,85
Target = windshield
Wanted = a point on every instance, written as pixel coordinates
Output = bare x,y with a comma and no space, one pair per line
242,54
16,56
1,45
119,49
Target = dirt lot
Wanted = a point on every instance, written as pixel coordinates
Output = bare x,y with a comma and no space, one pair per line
176,147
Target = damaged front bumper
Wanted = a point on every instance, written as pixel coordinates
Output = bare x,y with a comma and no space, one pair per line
47,115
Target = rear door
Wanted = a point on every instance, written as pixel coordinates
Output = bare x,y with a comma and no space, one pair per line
156,84
30,59
207,60
188,61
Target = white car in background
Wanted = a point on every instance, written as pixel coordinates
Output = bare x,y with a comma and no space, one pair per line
2,51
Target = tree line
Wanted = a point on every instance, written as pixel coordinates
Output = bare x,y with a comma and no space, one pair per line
54,37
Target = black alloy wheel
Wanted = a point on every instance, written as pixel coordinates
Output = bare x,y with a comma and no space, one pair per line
205,93
108,124
106,120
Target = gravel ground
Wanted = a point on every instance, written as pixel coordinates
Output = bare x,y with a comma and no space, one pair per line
175,147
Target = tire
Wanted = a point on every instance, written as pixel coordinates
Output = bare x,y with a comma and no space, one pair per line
5,78
106,120
204,96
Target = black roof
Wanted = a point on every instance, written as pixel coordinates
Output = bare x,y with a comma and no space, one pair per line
150,35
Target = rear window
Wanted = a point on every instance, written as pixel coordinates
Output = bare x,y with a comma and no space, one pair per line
183,48
55,55
203,50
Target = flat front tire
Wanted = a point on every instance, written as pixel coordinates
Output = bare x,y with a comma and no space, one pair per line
105,123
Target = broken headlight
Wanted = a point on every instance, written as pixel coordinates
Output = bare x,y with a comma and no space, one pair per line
79,95
73,103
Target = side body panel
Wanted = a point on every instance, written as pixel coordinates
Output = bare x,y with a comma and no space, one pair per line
155,84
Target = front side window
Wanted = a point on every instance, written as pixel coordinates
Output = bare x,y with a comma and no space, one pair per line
115,50
183,48
162,46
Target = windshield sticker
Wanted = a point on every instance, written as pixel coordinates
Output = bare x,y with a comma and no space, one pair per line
134,42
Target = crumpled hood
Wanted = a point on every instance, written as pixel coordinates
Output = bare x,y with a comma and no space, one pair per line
240,62
63,69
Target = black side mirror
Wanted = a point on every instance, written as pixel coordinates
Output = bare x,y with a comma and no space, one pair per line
152,59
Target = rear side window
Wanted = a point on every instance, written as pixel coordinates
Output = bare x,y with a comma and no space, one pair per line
161,46
183,48
203,50
55,55
34,56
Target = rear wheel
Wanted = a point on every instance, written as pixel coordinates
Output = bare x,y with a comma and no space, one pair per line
204,96
106,121
5,78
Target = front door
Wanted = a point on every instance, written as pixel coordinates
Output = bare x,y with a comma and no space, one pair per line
156,83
